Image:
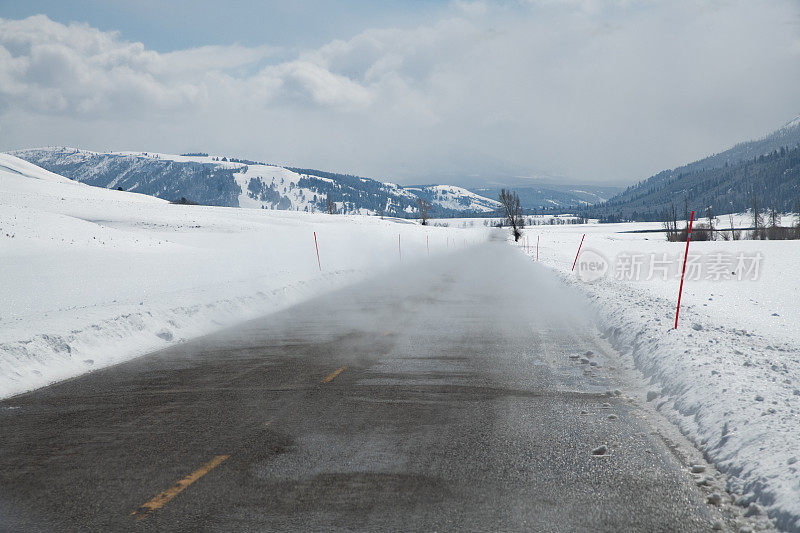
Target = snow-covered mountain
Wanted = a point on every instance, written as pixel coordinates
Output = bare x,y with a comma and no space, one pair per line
223,181
767,169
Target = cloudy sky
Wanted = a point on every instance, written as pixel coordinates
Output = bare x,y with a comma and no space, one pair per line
408,90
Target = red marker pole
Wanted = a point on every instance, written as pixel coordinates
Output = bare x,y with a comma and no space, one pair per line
579,252
399,251
685,256
537,247
317,247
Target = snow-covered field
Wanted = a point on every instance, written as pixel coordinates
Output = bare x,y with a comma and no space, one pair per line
729,376
93,276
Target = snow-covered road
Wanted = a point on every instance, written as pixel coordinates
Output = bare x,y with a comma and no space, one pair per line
449,397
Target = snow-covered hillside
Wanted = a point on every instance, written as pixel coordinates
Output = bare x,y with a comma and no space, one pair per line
454,198
93,276
729,376
218,180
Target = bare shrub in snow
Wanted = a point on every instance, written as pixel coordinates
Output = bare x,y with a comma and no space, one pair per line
423,207
513,212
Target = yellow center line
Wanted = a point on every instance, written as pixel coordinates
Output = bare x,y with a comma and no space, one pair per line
332,376
163,498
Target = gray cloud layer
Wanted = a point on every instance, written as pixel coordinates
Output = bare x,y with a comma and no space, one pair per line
594,90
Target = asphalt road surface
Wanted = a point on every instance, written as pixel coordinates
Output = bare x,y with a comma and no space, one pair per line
439,397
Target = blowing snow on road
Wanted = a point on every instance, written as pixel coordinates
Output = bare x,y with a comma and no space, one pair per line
471,391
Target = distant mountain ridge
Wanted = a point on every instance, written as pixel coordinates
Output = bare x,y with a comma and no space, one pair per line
788,136
552,196
232,182
766,168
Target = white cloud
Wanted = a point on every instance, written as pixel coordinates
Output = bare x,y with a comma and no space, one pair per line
78,70
590,88
305,82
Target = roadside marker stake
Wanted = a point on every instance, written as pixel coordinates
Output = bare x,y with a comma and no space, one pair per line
537,247
317,247
399,250
428,244
579,253
685,256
